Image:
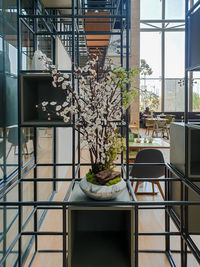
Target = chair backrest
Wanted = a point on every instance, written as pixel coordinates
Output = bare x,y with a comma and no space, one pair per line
161,123
169,118
149,122
148,156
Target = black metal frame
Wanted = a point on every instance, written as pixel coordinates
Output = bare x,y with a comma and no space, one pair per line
167,205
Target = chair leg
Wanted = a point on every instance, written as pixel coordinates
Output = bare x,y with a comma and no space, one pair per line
153,188
136,187
9,151
160,189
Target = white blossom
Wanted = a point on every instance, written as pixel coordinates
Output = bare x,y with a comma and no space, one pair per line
53,103
44,103
58,107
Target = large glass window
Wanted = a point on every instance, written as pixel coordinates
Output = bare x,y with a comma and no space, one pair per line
162,46
150,51
174,54
151,9
175,9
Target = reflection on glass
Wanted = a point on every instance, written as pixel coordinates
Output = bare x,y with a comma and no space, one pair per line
152,86
196,95
45,145
174,54
174,95
27,48
45,45
150,50
175,9
150,9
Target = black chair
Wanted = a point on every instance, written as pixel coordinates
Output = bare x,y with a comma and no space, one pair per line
148,156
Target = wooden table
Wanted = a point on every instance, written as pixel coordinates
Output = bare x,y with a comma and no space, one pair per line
157,143
155,119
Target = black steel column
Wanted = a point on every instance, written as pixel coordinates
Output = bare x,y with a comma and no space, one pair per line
19,44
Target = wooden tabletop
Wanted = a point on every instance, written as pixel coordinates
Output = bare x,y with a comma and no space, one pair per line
158,143
156,119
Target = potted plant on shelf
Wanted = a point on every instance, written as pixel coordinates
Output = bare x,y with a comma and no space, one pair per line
97,107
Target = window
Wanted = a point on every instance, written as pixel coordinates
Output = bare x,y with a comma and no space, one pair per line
175,9
151,9
163,47
174,54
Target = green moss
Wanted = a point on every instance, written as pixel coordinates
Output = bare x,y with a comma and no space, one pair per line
90,177
114,181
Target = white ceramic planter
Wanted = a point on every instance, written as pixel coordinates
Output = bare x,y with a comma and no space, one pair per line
102,192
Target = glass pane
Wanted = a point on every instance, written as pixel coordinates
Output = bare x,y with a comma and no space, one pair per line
174,95
150,51
150,95
150,9
27,48
174,54
45,145
175,9
45,45
196,95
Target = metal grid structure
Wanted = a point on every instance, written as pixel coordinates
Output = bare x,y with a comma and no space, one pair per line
121,14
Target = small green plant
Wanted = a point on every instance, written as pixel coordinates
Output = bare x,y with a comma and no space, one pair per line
114,181
90,177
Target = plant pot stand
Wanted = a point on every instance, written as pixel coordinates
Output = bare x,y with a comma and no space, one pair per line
100,236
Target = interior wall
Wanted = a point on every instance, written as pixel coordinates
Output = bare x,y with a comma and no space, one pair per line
64,135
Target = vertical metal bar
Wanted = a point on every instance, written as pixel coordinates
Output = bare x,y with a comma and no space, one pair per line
35,27
4,96
19,43
64,237
167,219
136,236
73,86
128,7
121,60
78,63
184,216
163,59
121,35
186,63
35,185
54,157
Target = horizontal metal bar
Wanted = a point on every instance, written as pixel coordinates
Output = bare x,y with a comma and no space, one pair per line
102,204
155,179
161,29
49,251
162,21
150,251
49,208
41,71
46,180
73,16
157,234
42,233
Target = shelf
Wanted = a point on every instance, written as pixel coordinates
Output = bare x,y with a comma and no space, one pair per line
177,151
100,249
193,39
100,236
36,88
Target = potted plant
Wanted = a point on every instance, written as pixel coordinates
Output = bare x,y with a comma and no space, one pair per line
97,108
